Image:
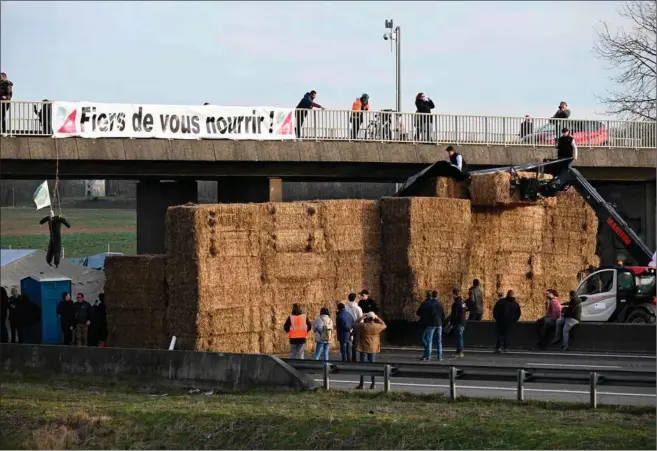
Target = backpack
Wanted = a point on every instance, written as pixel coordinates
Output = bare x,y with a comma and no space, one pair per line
325,332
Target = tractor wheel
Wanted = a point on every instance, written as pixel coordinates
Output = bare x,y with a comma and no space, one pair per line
640,316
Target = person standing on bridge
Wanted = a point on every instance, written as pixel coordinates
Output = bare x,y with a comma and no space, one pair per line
368,331
306,104
423,117
506,314
6,93
456,159
357,108
558,119
566,147
572,315
297,327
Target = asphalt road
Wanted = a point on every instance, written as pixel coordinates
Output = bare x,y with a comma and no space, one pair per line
616,395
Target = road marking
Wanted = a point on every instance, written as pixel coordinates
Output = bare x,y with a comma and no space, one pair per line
572,365
560,354
475,387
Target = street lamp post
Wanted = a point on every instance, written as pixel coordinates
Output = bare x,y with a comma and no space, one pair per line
394,36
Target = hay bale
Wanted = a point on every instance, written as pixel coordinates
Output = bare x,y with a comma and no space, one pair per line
429,254
444,187
135,282
494,189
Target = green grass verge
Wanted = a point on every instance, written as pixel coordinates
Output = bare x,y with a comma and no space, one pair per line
16,219
76,245
59,413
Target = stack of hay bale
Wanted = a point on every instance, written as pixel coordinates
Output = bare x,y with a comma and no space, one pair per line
425,243
136,298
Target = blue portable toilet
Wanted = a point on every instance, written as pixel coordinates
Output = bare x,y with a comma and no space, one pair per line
46,292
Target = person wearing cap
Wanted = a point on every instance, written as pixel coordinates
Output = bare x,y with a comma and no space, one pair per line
306,104
366,303
368,330
566,147
456,159
361,104
423,117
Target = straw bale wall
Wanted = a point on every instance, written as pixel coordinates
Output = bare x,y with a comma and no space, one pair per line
136,299
494,189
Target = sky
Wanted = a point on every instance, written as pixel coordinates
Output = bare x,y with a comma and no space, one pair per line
478,58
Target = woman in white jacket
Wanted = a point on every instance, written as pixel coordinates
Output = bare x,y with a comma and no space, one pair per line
323,327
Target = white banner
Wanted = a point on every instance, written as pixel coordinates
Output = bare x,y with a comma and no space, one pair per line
115,120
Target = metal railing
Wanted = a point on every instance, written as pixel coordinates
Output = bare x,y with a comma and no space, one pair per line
527,374
34,118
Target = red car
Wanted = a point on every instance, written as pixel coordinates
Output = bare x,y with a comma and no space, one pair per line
586,133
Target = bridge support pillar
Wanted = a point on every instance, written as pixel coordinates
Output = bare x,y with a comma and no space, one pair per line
153,199
242,190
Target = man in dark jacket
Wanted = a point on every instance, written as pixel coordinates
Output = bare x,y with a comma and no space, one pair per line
572,315
98,328
527,127
16,316
423,121
431,315
562,113
66,312
45,116
566,146
296,332
475,302
456,159
6,93
4,314
367,304
82,321
344,325
457,320
306,104
506,314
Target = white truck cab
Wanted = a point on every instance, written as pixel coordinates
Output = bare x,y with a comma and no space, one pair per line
625,294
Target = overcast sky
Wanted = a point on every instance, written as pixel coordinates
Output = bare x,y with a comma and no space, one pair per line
487,58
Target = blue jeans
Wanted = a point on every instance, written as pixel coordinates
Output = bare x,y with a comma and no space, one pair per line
427,340
345,351
439,342
370,358
322,348
458,331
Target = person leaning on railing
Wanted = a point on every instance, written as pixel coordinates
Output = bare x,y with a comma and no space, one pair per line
562,113
306,104
6,93
359,105
423,120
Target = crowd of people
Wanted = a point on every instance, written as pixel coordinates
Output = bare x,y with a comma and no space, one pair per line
358,326
81,323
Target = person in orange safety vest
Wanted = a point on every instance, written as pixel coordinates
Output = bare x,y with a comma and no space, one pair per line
297,327
361,104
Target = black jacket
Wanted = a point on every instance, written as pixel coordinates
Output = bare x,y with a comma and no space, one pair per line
526,128
565,114
431,313
565,147
424,106
368,305
98,323
4,307
66,312
82,312
573,309
506,311
457,317
55,226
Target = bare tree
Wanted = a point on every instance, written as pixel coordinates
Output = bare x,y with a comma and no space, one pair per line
634,53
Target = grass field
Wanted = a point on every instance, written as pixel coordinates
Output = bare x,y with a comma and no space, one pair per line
92,230
60,414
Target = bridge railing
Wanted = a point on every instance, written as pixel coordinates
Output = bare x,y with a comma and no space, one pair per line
34,118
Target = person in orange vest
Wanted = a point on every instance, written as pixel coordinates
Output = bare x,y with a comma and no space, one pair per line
361,104
297,327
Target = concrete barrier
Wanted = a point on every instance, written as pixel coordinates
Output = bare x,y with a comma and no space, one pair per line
200,369
599,337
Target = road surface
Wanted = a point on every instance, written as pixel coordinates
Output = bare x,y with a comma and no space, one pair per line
502,389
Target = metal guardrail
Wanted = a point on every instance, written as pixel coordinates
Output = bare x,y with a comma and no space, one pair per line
521,375
34,118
